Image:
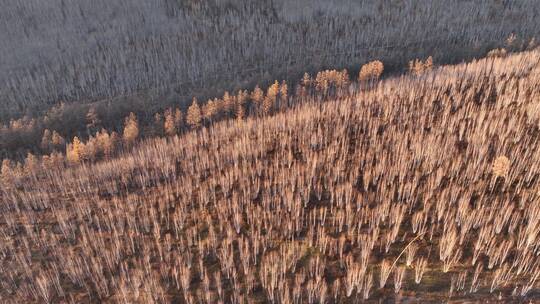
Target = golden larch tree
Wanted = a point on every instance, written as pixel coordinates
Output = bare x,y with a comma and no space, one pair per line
428,64
107,142
342,79
131,129
102,140
270,99
57,140
31,164
284,93
194,115
257,96
241,99
6,172
371,71
303,89
273,90
228,103
218,103
89,149
53,161
417,67
322,82
74,150
240,111
209,110
267,105
178,119
169,126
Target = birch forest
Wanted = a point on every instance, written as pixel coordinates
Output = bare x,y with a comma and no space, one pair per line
229,151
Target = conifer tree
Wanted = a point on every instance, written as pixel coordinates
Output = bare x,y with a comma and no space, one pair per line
371,71
273,90
30,164
53,161
428,64
73,151
257,96
102,139
240,111
57,159
57,140
6,172
283,94
89,149
194,115
112,144
209,110
169,125
270,99
342,80
322,83
228,103
417,67
241,99
18,170
302,90
178,119
267,105
131,129
46,162
218,103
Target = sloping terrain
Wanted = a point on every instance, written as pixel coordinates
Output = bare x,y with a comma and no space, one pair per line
420,188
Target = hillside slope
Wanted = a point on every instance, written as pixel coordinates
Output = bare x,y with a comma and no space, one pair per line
418,188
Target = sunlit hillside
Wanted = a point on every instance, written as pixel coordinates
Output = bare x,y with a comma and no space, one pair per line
418,187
